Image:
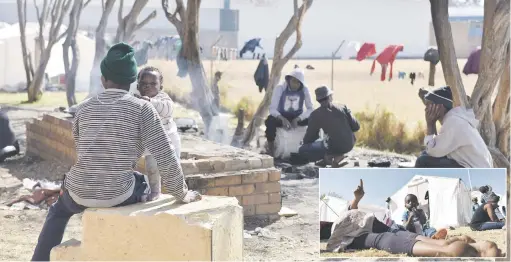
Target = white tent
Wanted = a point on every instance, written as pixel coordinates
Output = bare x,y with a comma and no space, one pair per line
330,208
449,200
12,71
502,202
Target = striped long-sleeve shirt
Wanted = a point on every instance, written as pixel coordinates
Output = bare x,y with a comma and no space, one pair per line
165,107
111,132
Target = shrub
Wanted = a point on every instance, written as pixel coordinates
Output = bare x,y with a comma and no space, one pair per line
381,130
247,105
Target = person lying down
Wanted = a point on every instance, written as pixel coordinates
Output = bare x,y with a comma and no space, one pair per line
359,230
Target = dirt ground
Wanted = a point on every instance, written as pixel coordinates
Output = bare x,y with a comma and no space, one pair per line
295,237
497,236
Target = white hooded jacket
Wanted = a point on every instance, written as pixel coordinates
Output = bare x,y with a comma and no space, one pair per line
459,139
277,93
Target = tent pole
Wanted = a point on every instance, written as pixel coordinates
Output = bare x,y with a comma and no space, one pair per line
329,207
469,180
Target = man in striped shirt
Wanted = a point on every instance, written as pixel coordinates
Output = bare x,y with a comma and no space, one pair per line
111,131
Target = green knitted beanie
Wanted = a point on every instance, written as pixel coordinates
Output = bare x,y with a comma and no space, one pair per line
119,64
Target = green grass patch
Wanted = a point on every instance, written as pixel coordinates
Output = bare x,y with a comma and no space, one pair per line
49,99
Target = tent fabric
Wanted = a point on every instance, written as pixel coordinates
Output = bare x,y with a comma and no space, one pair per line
432,56
330,208
350,50
386,57
449,200
251,46
472,64
365,51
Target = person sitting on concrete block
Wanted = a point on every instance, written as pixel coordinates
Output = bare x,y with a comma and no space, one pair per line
286,106
339,126
9,145
111,131
458,143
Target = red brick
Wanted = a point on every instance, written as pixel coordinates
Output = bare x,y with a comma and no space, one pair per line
267,209
270,187
66,124
241,190
228,180
217,191
274,198
255,199
255,177
274,175
249,210
50,119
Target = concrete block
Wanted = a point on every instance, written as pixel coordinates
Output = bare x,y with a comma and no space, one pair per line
236,164
255,163
288,141
162,230
268,208
274,175
67,251
218,165
204,166
241,190
189,167
265,188
255,199
256,176
267,161
228,180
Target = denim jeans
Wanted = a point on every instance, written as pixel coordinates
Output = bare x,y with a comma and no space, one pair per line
428,232
491,225
427,161
62,210
314,151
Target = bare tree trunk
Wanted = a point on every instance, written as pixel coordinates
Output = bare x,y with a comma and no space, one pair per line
71,68
238,132
445,42
501,109
56,11
128,25
493,56
432,71
187,26
95,86
27,61
495,51
278,63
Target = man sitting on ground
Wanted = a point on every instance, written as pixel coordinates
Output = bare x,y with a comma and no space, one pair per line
111,131
286,106
458,144
356,229
415,220
485,218
339,126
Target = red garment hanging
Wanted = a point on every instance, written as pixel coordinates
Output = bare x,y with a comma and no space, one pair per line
387,56
366,50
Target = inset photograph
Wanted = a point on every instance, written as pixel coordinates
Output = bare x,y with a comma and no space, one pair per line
413,212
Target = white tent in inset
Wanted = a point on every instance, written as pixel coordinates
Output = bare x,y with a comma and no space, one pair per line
448,201
330,208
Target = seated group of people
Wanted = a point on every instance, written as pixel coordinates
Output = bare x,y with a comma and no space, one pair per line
358,230
457,144
486,215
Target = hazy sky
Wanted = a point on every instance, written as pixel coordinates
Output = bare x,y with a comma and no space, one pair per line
382,183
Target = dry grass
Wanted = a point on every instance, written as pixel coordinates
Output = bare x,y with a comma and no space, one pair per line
53,99
390,112
497,236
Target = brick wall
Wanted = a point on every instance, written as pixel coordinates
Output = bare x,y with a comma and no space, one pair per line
250,177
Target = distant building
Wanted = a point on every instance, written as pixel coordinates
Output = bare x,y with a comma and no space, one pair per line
467,33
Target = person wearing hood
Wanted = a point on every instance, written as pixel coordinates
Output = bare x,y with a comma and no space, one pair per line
286,106
358,230
458,143
339,126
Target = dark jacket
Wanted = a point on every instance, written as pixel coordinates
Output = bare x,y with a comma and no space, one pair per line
7,136
262,74
338,124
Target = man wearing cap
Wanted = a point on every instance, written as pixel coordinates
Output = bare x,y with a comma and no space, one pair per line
286,106
458,143
339,126
111,131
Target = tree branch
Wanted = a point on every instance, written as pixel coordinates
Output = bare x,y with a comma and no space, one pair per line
172,17
445,43
88,1
119,13
298,41
145,21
